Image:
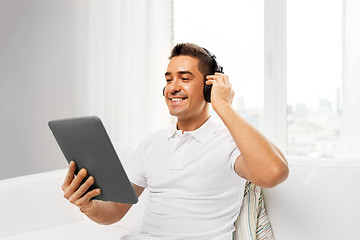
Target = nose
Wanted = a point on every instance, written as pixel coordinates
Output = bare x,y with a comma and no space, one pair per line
174,86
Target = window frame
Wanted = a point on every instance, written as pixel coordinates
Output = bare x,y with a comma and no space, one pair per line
275,72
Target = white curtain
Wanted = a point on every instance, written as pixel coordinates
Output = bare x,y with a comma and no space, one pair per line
351,79
129,43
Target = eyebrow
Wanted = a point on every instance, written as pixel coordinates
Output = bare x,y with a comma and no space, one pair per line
180,73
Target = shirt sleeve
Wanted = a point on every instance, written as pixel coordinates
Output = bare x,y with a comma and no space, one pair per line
234,151
135,169
234,155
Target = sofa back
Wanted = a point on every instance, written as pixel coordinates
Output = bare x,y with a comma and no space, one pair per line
319,200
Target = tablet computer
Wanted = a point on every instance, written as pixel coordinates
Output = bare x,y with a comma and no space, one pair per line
85,141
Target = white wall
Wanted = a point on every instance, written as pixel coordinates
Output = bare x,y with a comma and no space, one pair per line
43,62
72,58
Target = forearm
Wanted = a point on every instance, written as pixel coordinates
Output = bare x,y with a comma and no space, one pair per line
264,161
250,142
106,213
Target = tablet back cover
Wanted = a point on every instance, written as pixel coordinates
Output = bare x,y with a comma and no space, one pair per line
84,140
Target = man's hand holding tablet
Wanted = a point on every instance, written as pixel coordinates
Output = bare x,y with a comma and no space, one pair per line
76,191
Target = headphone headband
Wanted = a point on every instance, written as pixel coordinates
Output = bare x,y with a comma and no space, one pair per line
213,57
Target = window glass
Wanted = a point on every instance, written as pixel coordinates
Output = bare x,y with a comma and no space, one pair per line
314,77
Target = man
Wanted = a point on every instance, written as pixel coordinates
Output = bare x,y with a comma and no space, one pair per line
195,170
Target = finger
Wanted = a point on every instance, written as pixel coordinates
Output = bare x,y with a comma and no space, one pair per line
75,183
211,82
87,197
212,78
82,189
226,80
69,176
216,77
221,77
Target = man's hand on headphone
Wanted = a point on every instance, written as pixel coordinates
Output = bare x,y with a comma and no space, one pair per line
221,92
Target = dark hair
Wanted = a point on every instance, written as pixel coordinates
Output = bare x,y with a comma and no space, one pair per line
207,63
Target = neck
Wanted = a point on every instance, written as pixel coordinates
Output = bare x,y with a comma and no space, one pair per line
191,124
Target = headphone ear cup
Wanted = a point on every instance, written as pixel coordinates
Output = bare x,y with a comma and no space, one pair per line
207,92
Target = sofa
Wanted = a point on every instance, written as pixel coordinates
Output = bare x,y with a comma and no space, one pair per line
319,200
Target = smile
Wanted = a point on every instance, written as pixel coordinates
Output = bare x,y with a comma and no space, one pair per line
176,99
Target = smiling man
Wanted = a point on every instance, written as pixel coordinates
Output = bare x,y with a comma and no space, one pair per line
195,169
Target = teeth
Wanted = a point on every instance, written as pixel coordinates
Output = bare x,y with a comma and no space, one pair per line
176,99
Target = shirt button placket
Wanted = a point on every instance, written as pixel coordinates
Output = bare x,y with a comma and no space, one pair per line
177,159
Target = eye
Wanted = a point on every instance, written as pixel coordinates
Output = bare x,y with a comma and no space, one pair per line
185,79
168,80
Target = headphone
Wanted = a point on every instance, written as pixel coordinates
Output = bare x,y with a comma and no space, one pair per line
207,88
219,69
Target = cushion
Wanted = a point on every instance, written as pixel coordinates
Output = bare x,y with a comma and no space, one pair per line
319,200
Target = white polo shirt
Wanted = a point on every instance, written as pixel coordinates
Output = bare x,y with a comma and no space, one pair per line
194,191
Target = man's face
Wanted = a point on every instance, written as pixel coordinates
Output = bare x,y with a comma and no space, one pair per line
184,88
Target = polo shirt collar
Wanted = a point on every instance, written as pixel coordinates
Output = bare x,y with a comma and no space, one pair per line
201,134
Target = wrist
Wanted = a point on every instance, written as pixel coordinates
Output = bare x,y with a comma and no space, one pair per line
221,106
90,208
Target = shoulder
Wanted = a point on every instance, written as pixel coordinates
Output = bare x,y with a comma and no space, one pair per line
222,131
150,143
223,138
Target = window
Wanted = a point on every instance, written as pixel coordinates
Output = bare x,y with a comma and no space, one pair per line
314,68
307,54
